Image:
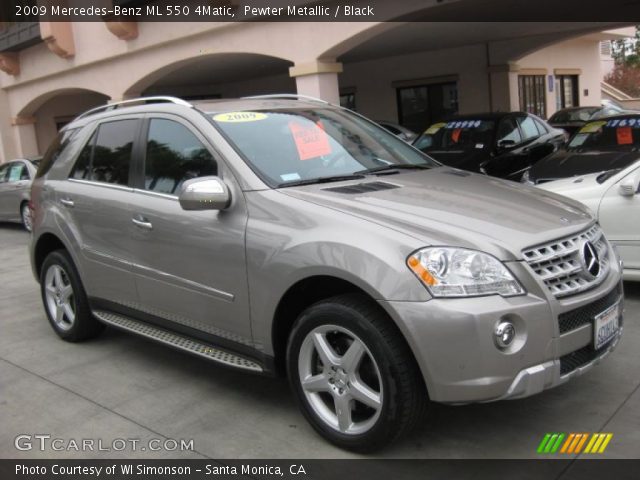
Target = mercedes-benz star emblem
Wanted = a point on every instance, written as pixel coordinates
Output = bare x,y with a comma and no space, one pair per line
590,260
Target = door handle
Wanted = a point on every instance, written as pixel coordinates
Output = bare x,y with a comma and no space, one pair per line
67,202
144,223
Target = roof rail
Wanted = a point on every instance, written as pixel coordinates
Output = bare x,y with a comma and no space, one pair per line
142,100
293,96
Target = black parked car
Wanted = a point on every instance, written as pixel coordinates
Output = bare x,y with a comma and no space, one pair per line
498,144
574,118
601,145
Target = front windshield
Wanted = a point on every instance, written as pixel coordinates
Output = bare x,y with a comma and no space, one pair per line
457,135
577,115
294,145
617,134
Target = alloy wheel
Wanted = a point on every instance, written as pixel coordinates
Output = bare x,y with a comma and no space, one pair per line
59,297
340,379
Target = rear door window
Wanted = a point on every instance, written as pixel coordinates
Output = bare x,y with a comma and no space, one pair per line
16,172
106,157
174,154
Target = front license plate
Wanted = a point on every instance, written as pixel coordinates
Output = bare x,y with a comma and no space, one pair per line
606,325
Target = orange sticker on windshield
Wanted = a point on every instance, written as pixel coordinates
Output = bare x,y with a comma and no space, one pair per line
311,139
624,136
455,135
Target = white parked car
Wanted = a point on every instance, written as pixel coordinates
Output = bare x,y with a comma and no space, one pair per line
614,196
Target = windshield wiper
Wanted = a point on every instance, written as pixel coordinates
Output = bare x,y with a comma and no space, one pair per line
400,166
311,181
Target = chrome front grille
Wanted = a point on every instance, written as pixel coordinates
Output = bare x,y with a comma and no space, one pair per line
560,264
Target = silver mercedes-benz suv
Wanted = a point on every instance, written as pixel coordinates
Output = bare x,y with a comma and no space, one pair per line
288,235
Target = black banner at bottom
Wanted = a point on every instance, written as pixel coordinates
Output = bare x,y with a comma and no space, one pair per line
583,469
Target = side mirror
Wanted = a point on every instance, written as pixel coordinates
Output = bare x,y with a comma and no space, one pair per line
204,193
506,143
628,187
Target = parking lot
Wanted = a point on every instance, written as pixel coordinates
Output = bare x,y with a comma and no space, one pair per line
121,386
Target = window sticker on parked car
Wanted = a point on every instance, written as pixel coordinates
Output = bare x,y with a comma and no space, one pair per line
592,127
238,117
455,135
625,122
290,177
464,124
433,129
624,136
310,138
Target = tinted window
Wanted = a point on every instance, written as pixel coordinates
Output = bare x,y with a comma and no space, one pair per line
508,131
112,152
528,126
81,168
61,145
174,155
467,134
617,134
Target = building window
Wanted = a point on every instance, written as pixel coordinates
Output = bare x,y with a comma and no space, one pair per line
567,91
420,106
348,100
531,89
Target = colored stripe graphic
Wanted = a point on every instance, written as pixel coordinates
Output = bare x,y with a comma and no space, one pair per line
551,442
574,443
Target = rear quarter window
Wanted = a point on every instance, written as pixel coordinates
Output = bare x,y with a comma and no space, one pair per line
60,146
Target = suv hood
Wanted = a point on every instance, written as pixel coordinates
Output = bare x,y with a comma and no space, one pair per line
445,206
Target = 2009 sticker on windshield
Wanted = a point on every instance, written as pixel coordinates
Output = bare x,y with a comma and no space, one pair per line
239,117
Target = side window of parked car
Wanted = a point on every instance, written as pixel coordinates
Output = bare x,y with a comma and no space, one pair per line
107,155
16,172
542,129
3,173
174,154
528,127
508,132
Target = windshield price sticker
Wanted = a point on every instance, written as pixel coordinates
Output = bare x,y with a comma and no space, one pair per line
592,127
624,136
311,140
239,117
464,124
625,122
433,129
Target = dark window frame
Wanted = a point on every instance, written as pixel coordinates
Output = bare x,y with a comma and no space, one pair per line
532,93
93,137
428,87
575,90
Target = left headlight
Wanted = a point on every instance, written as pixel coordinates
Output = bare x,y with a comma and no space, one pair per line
459,272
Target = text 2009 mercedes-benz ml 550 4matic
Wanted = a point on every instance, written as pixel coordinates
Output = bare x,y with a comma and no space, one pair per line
279,234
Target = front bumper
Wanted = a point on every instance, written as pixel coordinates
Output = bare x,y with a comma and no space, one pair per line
453,342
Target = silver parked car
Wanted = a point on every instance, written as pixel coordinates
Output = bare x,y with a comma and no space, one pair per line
15,187
279,235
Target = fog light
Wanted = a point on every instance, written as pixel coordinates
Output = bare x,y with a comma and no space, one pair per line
505,333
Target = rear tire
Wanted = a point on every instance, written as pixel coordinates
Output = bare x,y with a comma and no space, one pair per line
25,215
64,299
355,379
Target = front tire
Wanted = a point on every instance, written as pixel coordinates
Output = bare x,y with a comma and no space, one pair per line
65,301
25,215
354,377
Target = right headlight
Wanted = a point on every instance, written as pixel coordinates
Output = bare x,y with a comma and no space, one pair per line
460,272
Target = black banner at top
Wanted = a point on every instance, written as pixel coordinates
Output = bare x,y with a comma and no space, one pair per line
20,11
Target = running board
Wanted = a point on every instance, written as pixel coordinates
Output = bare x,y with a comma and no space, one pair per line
178,341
